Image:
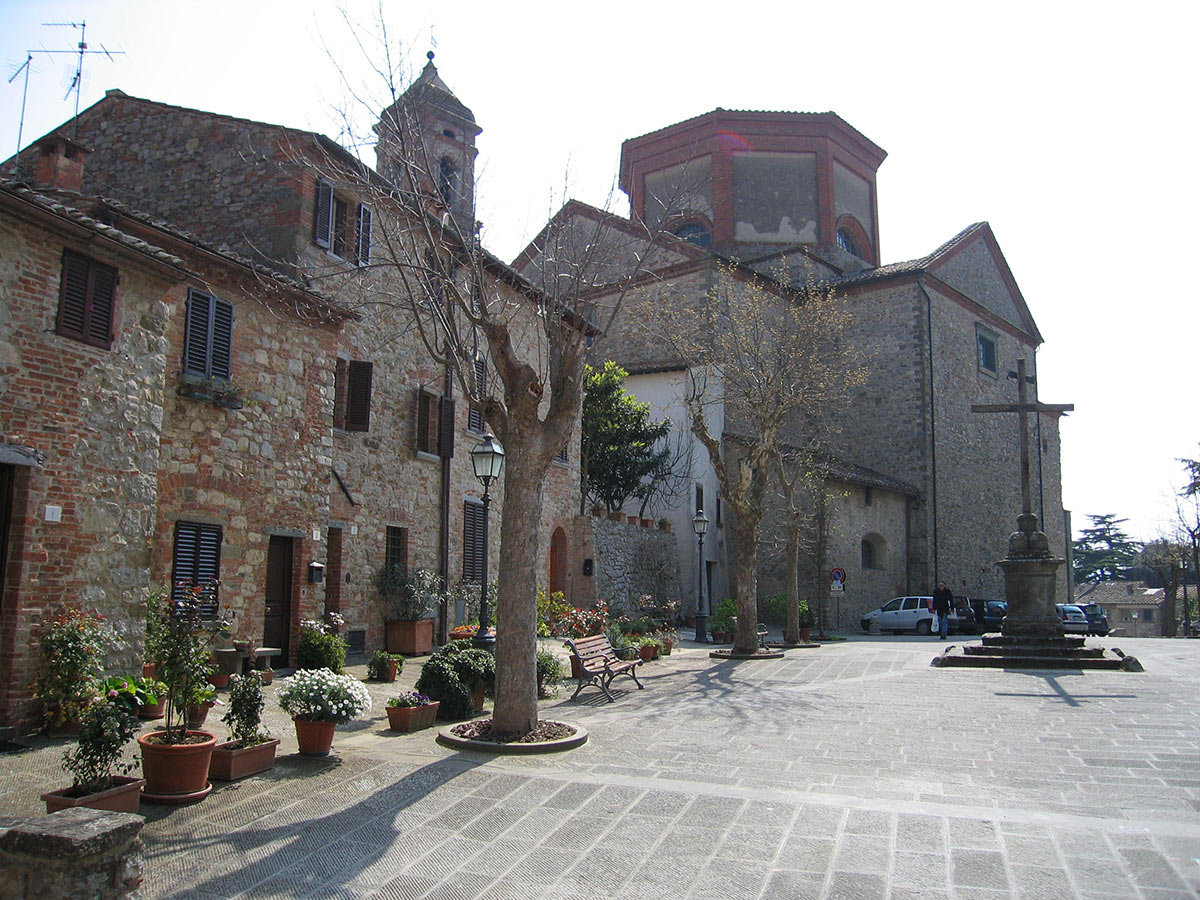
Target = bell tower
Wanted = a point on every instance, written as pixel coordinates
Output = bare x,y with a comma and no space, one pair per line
426,147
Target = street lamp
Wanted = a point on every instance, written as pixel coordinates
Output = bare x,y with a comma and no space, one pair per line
487,459
700,525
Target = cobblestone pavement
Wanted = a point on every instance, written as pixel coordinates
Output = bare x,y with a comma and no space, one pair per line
850,772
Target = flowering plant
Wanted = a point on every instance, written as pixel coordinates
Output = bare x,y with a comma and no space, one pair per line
583,622
105,727
319,695
73,648
409,698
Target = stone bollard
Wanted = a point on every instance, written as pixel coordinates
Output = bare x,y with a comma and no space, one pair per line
71,854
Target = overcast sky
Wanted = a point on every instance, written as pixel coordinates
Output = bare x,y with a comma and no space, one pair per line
1063,124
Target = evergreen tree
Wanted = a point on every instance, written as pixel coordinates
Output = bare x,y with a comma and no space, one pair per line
621,452
1104,552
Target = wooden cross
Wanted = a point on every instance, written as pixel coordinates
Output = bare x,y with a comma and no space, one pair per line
1022,408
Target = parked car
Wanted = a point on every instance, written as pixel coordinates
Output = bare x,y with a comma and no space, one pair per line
988,614
911,614
1074,620
1097,620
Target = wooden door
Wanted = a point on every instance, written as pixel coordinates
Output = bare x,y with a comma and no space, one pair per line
277,615
558,561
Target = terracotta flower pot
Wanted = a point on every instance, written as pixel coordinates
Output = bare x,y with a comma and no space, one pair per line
315,738
123,796
410,638
805,635
646,651
197,713
176,773
267,675
150,671
477,697
412,718
152,710
230,761
219,680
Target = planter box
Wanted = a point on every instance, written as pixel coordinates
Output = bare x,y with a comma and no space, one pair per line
230,762
412,718
409,638
123,796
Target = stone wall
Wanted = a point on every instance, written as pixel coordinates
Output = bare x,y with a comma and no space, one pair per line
72,854
81,520
631,561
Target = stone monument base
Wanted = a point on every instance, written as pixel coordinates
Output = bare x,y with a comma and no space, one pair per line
999,651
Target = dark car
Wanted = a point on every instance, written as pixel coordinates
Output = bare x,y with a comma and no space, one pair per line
988,614
1097,620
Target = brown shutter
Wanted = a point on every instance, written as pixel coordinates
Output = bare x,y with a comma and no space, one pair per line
339,392
358,396
422,419
473,538
323,214
475,420
428,421
86,298
446,430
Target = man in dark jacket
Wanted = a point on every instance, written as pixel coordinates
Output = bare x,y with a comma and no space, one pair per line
943,602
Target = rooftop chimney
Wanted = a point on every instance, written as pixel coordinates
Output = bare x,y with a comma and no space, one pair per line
59,164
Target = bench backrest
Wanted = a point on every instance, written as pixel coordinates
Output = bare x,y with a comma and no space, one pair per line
592,646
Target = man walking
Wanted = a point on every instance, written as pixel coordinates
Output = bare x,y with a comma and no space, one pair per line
943,602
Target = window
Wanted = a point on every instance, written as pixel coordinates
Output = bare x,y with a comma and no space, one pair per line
867,496
718,509
846,242
561,455
396,550
986,342
435,424
475,421
474,536
1147,615
196,561
331,225
699,497
352,395
448,178
868,554
694,233
208,336
85,300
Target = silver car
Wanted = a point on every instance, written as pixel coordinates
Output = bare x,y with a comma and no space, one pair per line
1074,619
901,614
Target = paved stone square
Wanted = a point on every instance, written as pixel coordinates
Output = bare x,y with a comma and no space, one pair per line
851,772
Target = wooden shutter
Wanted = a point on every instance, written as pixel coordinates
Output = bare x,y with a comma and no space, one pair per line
208,336
475,420
323,214
197,327
363,256
473,538
86,298
197,561
427,422
445,444
358,396
340,377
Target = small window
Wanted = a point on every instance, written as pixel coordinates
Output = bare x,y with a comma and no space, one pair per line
473,541
448,182
336,230
694,233
699,497
867,496
986,342
396,549
718,502
85,300
352,395
208,336
868,555
846,242
561,455
363,254
475,420
196,563
1147,615
427,422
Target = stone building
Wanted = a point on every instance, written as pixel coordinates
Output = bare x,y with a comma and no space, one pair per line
247,254
918,487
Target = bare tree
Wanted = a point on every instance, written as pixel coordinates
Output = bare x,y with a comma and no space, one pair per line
766,359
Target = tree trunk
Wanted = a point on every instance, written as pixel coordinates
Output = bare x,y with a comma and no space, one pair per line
516,640
791,631
745,573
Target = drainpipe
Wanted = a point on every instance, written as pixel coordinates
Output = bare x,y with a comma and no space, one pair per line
1037,432
932,428
443,626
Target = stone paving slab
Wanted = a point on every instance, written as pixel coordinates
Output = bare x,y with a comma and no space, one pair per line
854,771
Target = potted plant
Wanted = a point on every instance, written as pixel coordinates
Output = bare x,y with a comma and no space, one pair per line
409,598
204,699
384,666
99,772
411,711
807,622
549,673
721,621
321,647
250,749
223,392
649,647
318,700
175,760
150,697
72,649
459,676
667,639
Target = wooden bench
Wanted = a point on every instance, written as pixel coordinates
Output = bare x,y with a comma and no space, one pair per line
599,663
760,630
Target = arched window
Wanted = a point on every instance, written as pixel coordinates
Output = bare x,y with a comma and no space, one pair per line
448,182
694,233
873,552
845,241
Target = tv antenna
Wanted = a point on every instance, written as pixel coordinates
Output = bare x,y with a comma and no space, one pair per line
80,51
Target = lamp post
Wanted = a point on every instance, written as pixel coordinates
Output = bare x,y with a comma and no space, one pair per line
700,525
487,459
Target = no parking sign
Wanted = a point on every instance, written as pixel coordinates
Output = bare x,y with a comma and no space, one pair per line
837,579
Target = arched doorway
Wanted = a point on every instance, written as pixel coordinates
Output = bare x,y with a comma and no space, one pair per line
558,561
